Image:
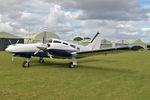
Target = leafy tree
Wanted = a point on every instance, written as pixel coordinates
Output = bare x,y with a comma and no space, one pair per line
78,39
87,38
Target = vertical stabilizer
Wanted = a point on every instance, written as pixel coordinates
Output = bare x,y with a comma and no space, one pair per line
96,42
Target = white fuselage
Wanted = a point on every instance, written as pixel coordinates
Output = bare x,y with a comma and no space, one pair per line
53,48
54,45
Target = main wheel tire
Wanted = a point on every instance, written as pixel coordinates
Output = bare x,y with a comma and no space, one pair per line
25,64
71,65
41,60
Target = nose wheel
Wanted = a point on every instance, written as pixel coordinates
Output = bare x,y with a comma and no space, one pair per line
26,64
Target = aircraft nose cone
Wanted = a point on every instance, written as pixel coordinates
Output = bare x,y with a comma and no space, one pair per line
8,49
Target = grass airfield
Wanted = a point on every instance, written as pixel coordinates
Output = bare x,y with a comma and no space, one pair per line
123,76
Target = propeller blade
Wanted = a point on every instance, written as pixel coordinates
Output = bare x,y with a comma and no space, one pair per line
10,42
36,52
17,42
44,49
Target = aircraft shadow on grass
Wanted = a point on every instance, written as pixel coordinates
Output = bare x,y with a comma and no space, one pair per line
107,69
90,67
49,63
97,60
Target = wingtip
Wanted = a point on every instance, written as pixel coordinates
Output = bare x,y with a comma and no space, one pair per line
136,47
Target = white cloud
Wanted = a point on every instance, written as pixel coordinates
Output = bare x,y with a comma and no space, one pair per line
23,31
107,9
5,27
115,19
59,20
132,33
146,29
32,19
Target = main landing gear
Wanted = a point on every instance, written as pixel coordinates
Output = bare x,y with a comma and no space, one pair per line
41,60
73,64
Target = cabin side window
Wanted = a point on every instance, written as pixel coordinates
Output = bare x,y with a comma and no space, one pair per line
65,43
73,46
78,48
55,41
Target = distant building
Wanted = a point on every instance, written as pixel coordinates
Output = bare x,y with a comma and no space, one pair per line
8,39
38,37
137,41
7,35
105,43
85,41
4,42
75,42
129,42
116,43
119,43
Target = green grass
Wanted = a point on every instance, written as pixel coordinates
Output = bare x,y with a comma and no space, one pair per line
123,76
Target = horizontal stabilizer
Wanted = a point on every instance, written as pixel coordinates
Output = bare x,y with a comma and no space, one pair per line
108,50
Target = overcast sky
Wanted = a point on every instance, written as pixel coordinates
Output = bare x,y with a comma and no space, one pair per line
115,19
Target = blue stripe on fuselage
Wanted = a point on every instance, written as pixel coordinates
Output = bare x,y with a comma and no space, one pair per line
55,52
29,54
61,52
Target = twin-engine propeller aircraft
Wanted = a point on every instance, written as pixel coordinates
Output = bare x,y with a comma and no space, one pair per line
62,49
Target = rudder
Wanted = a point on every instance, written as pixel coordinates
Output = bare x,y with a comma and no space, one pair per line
96,42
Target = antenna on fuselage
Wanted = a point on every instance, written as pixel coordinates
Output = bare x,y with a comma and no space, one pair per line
27,34
44,35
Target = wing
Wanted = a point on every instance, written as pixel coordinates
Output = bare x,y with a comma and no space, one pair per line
109,50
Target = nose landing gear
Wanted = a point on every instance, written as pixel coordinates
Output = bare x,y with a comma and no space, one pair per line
26,64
